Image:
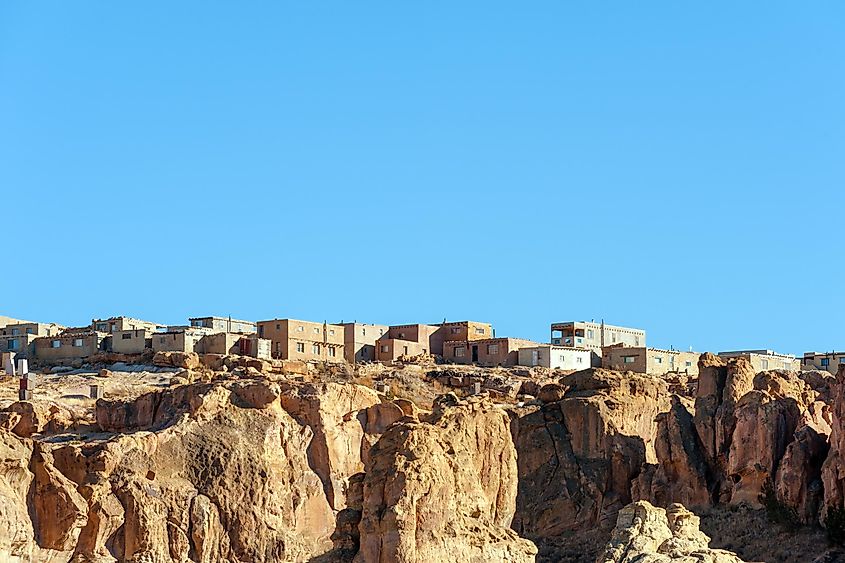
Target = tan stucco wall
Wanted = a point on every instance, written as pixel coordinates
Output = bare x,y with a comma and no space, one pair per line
286,334
359,341
44,350
130,341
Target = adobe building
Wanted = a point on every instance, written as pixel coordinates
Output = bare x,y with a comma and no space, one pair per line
359,341
490,352
303,340
19,337
762,360
133,341
223,324
408,340
823,361
555,357
652,361
420,339
116,324
595,336
71,344
178,339
392,349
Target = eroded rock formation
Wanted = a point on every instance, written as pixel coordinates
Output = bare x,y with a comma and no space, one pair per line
647,534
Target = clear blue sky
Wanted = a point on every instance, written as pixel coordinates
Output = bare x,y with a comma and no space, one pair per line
665,165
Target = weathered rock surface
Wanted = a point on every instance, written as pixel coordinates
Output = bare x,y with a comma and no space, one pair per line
578,456
647,534
443,490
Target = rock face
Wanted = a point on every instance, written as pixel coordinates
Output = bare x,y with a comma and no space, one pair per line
253,470
646,534
578,455
443,490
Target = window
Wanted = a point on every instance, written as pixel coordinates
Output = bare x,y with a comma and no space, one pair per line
56,344
196,322
260,331
825,362
126,336
300,347
479,330
300,328
578,360
613,336
278,326
492,348
764,364
786,365
590,333
30,330
455,330
636,341
161,340
688,364
77,343
459,351
316,330
405,350
384,348
401,335
842,360
364,332
13,344
315,349
629,359
331,332
658,360
331,352
102,327
16,331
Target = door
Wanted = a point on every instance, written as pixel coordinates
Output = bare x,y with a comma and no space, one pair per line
535,358
475,353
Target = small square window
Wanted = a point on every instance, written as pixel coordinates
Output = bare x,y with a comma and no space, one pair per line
384,348
300,329
629,359
658,360
459,351
126,336
492,348
56,344
77,343
825,362
456,330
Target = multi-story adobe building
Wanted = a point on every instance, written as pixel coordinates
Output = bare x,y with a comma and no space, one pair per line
407,340
19,338
595,336
555,357
416,339
762,360
223,324
359,341
652,361
823,361
116,324
490,352
303,340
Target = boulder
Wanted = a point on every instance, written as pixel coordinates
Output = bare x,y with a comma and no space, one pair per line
647,534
